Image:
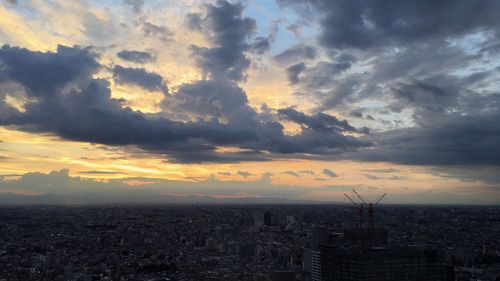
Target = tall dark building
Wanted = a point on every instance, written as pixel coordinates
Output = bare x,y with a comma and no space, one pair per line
382,264
364,254
319,237
367,237
267,218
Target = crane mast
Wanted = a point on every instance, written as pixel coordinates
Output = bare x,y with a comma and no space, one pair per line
361,206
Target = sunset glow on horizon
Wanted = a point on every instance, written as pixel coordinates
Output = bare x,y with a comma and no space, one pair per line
303,100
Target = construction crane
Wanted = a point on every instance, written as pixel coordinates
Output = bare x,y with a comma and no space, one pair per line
371,210
360,209
359,196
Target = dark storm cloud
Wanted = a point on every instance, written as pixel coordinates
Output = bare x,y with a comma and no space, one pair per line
428,63
136,56
324,74
211,99
320,121
488,175
228,31
65,100
426,95
207,154
44,73
365,23
293,72
139,76
295,54
453,125
452,138
337,83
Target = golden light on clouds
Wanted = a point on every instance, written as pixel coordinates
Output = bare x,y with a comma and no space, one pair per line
161,31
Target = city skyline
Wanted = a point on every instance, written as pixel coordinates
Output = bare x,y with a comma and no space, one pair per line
297,100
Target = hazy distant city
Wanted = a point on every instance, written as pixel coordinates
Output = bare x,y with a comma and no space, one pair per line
252,140
248,242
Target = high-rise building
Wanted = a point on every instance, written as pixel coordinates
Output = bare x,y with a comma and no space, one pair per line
267,218
367,237
258,218
316,265
319,236
364,254
382,264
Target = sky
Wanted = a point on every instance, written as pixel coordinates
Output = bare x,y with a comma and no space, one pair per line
295,99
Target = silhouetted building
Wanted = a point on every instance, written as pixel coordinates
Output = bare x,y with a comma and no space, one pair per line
382,264
262,218
319,237
283,276
316,265
267,218
366,237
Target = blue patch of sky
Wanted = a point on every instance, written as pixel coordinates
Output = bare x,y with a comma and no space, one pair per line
24,9
266,13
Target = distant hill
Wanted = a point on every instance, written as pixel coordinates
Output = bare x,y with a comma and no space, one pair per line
137,198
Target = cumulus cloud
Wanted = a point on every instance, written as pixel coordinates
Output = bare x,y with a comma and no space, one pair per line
364,24
318,122
449,110
228,31
66,94
144,189
428,70
452,139
139,76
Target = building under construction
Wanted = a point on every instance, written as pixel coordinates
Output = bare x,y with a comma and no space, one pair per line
382,264
364,253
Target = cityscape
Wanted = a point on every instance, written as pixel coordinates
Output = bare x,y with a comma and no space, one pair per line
250,140
248,242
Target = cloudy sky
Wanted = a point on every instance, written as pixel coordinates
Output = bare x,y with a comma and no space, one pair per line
298,99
